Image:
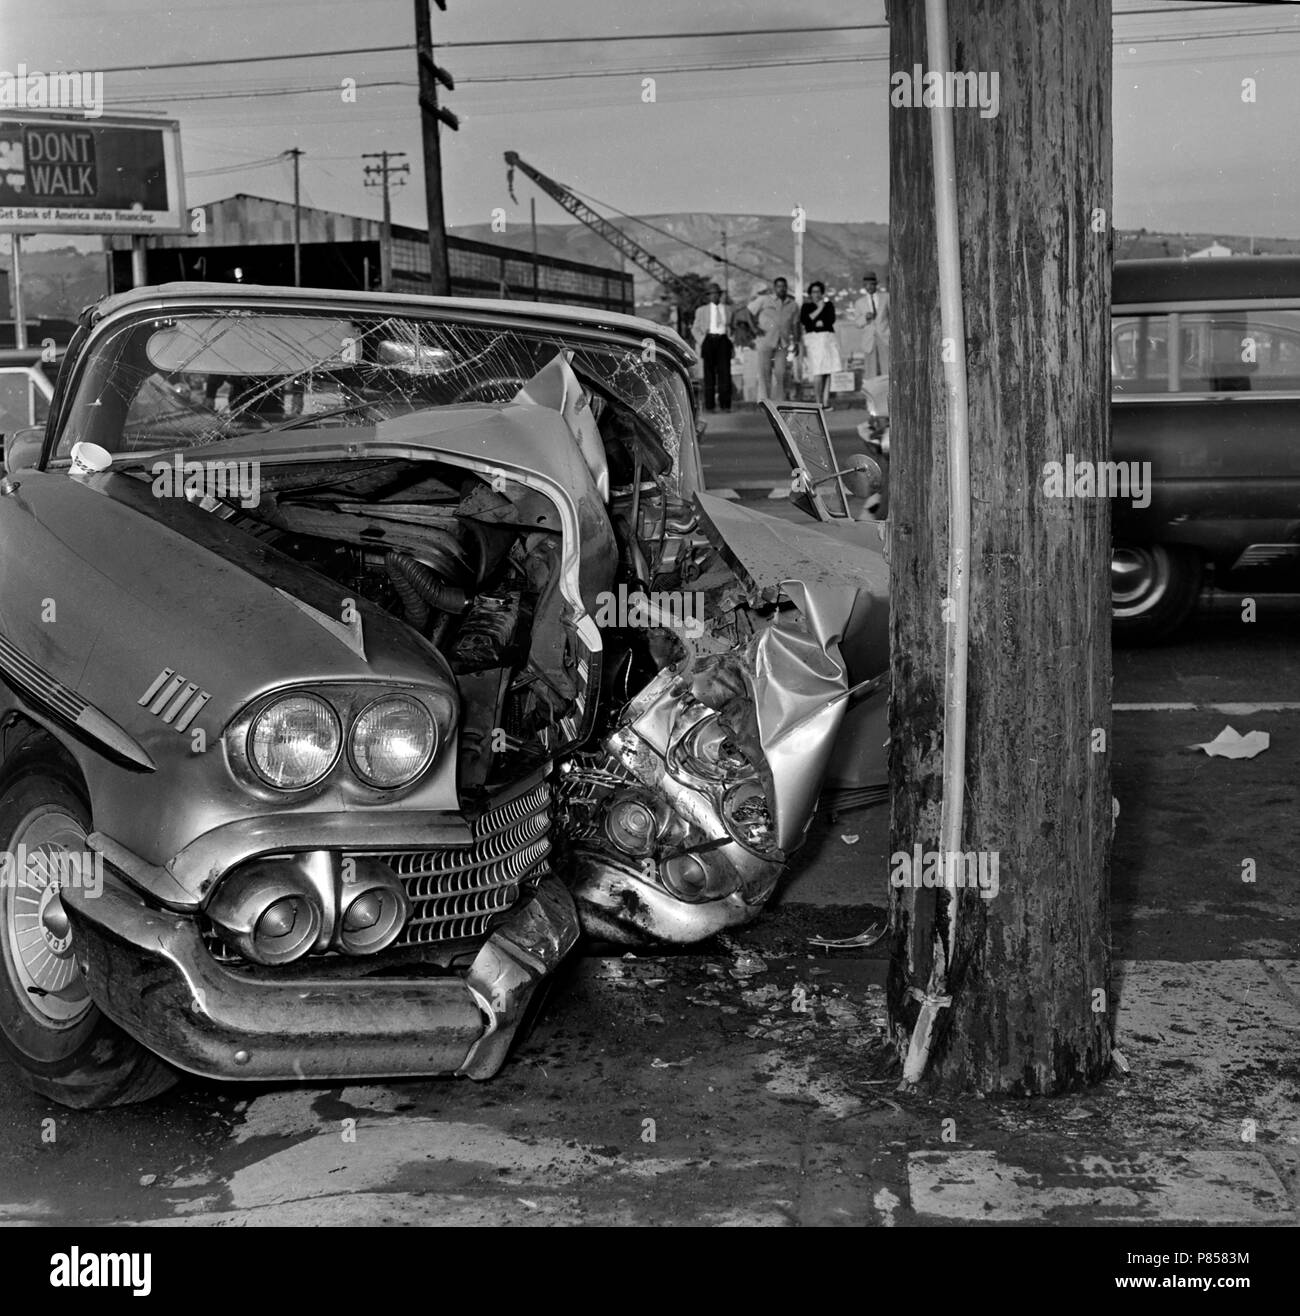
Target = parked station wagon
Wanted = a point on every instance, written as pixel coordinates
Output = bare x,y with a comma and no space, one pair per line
1205,380
358,651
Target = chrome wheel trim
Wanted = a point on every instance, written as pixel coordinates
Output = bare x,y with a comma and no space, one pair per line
1139,578
38,942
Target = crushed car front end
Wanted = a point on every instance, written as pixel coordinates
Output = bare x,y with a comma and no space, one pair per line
397,644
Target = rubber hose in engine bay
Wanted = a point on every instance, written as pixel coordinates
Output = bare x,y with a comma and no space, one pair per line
422,590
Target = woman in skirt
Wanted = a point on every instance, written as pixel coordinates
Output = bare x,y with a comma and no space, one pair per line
820,346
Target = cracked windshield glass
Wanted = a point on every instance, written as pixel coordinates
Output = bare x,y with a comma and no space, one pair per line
192,380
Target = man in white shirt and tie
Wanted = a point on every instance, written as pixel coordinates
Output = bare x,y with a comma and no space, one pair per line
712,341
871,311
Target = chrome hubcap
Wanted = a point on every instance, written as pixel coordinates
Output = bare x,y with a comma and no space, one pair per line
1139,579
37,932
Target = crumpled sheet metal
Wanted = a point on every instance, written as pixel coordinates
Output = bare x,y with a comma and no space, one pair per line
800,684
799,673
766,551
557,387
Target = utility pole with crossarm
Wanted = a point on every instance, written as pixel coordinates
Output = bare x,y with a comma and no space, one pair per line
385,175
431,115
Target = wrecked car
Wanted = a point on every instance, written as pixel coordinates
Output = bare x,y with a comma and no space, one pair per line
359,651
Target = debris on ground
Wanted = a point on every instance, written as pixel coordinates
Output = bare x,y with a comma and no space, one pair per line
1230,744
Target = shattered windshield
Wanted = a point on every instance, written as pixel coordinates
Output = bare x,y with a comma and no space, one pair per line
197,377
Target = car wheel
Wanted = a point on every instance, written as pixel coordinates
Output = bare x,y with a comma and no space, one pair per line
1153,589
65,1049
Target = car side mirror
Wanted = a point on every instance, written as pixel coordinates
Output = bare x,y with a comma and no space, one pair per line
863,476
23,448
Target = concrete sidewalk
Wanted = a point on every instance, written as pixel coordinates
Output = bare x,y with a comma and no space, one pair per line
743,459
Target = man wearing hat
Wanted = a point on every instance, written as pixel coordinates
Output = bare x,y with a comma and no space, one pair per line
709,329
871,311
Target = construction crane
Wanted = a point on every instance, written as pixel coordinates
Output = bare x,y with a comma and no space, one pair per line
612,234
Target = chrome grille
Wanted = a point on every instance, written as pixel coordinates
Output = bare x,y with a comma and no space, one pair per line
456,891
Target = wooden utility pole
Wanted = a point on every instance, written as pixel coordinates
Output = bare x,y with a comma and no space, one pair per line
295,154
431,115
386,175
1015,994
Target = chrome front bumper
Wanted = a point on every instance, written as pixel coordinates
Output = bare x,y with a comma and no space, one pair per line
150,972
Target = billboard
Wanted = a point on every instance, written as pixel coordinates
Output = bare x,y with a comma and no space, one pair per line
73,175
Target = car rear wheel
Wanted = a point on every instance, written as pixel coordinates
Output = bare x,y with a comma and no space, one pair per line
1153,589
64,1048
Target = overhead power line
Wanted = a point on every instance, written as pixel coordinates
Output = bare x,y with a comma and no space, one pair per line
663,36
1248,6
163,98
234,168
258,59
647,72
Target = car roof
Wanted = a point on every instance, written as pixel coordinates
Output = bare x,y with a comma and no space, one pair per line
1205,278
585,316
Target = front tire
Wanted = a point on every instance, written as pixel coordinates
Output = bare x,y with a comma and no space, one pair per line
63,1047
1154,588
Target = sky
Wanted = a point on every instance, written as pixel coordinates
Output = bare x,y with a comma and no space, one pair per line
805,123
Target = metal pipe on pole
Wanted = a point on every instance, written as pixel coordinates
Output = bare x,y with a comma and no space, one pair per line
957,630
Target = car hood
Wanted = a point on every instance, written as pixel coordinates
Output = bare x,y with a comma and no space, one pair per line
515,437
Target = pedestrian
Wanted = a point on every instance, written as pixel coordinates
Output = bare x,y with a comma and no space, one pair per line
871,311
777,315
744,332
709,329
821,349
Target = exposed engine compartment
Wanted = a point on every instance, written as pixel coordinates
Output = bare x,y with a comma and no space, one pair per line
474,565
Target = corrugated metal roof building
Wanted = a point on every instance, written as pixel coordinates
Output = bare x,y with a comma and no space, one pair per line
249,239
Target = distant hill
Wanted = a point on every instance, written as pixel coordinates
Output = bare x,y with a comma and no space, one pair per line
60,281
837,254
759,247
1133,246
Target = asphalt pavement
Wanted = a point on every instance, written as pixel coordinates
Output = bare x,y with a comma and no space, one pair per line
751,1080
741,453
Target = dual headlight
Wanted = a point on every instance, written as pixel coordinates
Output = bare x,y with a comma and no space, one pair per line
707,751
296,740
